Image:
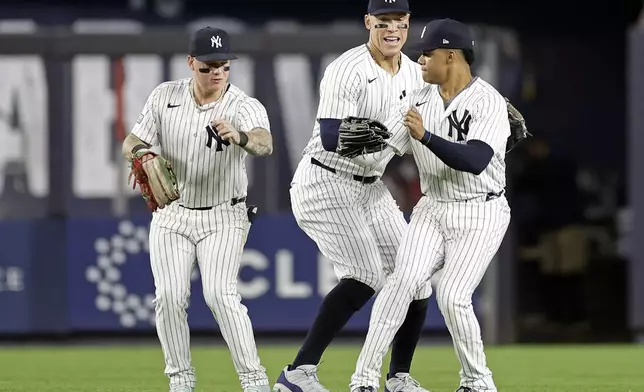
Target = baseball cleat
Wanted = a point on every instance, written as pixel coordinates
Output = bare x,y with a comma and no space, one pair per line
465,389
301,379
403,382
182,389
364,389
258,388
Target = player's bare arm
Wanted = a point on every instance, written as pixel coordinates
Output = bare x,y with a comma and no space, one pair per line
472,157
131,144
257,141
260,142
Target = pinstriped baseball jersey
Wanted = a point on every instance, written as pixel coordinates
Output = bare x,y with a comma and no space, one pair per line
209,171
354,85
479,112
454,229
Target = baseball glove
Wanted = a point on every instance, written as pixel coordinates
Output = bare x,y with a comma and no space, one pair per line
156,179
361,136
518,130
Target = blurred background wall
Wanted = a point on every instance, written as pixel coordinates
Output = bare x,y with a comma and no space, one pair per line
73,236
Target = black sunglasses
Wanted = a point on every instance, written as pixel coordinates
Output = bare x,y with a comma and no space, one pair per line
207,69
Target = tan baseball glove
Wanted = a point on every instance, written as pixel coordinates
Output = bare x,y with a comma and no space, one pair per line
156,179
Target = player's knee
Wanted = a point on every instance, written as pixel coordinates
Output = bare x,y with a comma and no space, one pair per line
424,291
219,296
451,302
408,283
169,299
375,281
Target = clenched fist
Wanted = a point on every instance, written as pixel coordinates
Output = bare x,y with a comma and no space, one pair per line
226,131
414,123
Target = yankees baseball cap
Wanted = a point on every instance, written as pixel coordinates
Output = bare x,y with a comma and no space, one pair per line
444,34
211,44
379,7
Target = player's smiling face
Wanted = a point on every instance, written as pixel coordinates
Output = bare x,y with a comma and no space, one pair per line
211,76
388,32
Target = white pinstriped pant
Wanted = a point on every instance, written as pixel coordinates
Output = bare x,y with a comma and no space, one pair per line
357,226
215,239
460,239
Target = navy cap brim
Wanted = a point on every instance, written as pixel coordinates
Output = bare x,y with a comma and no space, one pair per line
389,10
420,46
206,58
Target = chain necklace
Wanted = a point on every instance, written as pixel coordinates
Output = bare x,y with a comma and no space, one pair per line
194,94
374,57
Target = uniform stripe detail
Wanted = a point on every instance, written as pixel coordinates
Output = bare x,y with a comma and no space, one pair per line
208,172
489,123
454,239
354,85
213,239
459,240
356,226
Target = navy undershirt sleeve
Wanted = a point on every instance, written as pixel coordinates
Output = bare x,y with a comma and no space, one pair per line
472,157
329,133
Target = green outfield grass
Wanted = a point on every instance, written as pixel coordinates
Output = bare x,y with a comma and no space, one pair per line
140,368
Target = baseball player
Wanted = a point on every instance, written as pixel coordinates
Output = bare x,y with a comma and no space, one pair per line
341,202
205,128
459,130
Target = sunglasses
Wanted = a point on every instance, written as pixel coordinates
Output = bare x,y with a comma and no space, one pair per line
206,70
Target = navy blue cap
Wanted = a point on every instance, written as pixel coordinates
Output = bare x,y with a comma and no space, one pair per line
210,44
379,7
443,34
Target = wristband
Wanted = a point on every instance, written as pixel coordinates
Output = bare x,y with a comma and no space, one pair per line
243,139
140,150
138,147
426,138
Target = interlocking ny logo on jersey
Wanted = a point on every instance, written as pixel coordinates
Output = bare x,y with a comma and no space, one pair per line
215,41
462,126
213,135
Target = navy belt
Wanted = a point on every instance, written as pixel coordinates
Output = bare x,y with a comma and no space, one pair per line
489,196
363,179
233,201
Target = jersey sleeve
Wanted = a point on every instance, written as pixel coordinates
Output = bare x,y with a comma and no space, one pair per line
147,126
339,92
400,139
490,123
252,114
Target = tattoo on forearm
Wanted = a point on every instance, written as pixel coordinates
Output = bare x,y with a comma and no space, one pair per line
260,142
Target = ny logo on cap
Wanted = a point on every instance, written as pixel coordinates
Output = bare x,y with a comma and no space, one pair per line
215,41
390,1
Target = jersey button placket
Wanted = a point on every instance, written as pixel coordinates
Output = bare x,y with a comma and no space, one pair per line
191,152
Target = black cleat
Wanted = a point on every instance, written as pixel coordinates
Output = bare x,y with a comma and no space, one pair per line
465,389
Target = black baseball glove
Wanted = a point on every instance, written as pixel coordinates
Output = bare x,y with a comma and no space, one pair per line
518,130
361,136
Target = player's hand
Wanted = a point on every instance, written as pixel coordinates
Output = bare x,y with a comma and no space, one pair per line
226,131
414,123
